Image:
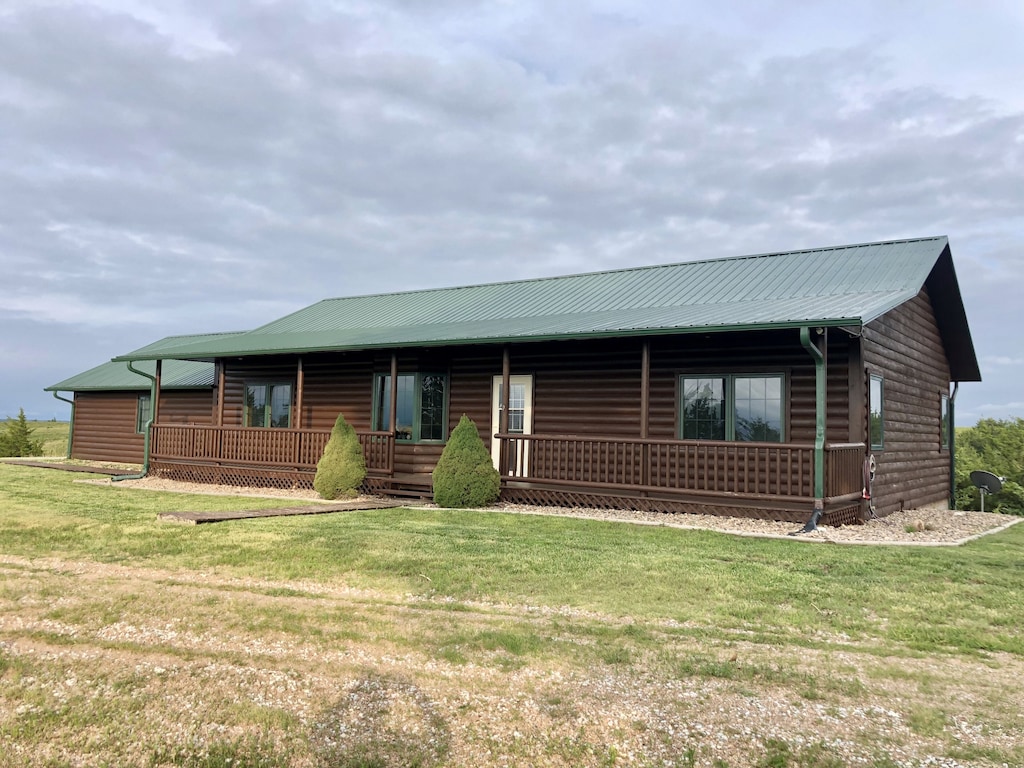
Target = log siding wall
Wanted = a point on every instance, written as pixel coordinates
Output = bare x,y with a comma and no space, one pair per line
187,406
904,347
105,422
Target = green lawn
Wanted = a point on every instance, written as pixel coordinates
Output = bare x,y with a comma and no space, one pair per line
407,637
967,599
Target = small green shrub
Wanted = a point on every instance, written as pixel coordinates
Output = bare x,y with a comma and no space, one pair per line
464,475
16,438
342,468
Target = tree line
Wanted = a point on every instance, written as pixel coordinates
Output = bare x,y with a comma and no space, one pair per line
996,446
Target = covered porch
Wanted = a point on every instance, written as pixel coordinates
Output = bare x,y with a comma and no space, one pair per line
787,477
279,458
751,479
765,480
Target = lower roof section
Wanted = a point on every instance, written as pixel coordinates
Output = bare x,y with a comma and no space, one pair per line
116,376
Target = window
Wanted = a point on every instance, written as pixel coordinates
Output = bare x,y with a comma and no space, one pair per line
944,422
268,405
731,407
422,406
876,419
143,413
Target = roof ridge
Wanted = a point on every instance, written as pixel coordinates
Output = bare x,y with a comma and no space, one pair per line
196,335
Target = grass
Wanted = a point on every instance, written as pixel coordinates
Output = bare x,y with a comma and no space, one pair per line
524,604
52,434
930,600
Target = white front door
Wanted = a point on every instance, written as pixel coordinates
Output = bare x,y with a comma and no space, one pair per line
520,415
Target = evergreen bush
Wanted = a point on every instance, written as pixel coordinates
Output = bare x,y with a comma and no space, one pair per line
16,439
342,468
465,476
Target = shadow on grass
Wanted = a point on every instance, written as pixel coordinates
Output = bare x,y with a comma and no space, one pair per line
382,722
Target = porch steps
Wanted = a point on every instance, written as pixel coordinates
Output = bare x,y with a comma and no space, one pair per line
405,485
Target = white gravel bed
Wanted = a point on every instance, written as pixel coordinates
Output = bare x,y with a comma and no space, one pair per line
933,526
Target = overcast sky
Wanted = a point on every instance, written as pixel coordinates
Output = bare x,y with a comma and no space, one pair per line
178,167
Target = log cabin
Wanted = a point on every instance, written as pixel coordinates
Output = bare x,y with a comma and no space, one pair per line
813,382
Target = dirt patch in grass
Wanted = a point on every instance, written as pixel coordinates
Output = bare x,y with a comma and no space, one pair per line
103,664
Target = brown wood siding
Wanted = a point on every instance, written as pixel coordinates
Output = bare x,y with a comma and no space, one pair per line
194,406
904,347
104,427
471,375
589,388
337,384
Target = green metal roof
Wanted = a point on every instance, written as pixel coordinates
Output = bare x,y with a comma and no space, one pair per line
174,374
157,349
844,285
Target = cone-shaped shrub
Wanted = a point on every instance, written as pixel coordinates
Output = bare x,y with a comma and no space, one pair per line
465,476
342,468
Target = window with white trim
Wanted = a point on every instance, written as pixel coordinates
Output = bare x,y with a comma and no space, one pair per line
876,412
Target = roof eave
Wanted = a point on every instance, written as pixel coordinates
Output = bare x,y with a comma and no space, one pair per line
485,340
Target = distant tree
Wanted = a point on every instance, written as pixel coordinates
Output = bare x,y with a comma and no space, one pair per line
342,468
16,439
996,446
464,475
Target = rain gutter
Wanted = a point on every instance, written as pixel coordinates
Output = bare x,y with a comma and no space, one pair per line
71,426
952,446
147,428
819,429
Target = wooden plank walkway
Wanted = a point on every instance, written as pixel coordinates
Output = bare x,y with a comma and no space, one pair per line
72,467
197,518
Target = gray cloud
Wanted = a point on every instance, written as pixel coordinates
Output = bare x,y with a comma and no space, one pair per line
183,168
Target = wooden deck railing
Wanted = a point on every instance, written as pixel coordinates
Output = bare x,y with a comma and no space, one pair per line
756,470
844,470
300,448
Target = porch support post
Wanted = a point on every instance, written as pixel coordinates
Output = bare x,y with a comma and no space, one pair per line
820,373
393,409
220,393
156,386
645,389
645,402
506,386
393,405
300,379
